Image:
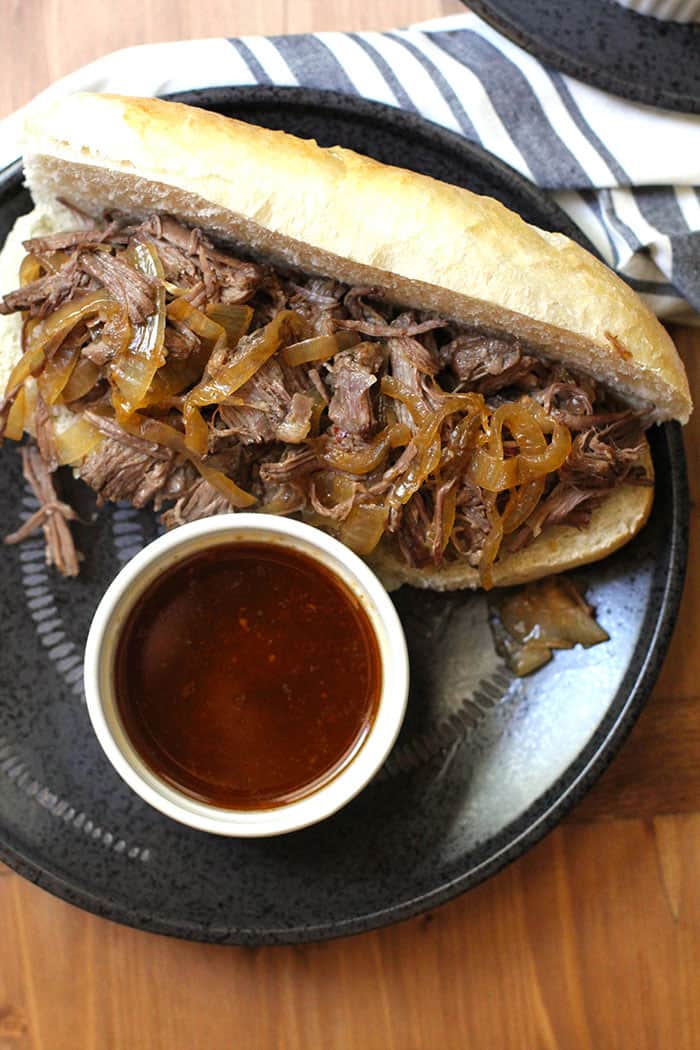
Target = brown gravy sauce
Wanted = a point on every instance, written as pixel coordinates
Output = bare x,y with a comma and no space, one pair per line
247,675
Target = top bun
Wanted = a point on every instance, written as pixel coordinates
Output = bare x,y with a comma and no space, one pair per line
428,245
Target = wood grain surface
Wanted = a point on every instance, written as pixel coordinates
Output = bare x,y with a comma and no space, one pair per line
589,942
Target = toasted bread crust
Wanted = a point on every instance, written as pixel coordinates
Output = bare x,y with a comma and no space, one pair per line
428,244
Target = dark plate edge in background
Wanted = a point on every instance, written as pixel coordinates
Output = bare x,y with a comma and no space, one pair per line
544,38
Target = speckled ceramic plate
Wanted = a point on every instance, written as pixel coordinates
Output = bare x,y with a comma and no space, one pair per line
604,44
485,764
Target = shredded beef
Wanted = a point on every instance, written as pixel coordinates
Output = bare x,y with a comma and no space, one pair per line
45,439
522,376
565,505
419,356
413,531
165,228
115,471
471,522
180,341
125,467
567,399
586,422
276,435
472,357
201,500
61,242
125,283
264,403
404,369
436,527
189,254
355,305
321,291
353,374
46,294
98,352
395,471
293,467
248,425
602,459
319,385
52,516
385,331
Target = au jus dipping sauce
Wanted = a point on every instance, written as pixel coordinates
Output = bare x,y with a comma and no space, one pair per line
247,676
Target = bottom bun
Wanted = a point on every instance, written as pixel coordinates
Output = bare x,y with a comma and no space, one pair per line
558,548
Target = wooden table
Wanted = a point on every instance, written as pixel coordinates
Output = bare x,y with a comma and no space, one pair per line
592,940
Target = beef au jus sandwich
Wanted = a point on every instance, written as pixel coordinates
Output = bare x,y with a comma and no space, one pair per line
205,315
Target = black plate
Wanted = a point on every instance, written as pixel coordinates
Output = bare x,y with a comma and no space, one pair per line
485,765
602,43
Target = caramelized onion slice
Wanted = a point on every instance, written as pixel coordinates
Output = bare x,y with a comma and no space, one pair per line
176,376
226,376
14,428
423,414
76,441
82,380
57,372
286,500
550,614
493,472
557,452
334,494
427,439
205,327
320,348
31,269
392,387
47,336
232,317
364,527
367,459
236,496
492,546
521,503
31,395
251,354
133,369
418,471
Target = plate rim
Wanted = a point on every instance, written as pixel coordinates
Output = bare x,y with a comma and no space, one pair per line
542,36
594,757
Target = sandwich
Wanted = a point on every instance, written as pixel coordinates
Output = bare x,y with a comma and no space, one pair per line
204,315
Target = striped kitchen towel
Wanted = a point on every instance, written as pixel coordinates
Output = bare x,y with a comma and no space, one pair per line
627,174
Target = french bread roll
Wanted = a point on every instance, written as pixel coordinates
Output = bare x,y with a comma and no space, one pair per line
332,212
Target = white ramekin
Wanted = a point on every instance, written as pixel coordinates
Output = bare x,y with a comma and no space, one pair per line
167,551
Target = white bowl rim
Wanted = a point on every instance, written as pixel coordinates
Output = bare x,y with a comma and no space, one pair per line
171,548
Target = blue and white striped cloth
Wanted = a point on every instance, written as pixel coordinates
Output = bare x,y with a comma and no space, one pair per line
627,174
